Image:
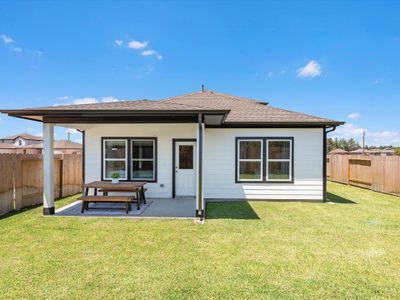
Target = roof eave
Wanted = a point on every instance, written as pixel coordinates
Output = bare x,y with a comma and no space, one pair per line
283,124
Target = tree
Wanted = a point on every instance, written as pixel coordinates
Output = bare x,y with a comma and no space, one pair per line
397,151
348,145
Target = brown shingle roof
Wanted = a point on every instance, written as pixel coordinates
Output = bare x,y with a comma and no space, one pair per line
24,136
240,110
60,144
243,110
7,146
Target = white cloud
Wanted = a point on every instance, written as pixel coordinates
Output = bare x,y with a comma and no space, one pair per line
6,39
270,74
152,53
118,42
109,99
353,116
311,69
63,98
373,138
86,100
137,44
17,49
378,81
89,100
72,131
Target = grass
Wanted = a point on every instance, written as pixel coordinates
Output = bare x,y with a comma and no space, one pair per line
349,248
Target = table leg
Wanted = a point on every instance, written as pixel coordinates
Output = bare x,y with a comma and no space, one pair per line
138,200
83,207
143,196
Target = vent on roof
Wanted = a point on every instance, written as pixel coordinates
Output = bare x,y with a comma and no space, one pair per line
262,103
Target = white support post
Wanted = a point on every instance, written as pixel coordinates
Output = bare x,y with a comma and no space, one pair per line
200,206
48,169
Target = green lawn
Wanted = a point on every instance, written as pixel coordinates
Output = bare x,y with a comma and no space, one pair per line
346,249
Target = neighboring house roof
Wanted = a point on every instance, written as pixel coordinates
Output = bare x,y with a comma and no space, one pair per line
360,151
24,136
236,110
338,151
61,144
7,146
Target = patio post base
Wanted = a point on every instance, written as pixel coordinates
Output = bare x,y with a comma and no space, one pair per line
200,213
48,211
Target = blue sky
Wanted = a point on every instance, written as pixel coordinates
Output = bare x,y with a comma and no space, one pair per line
332,59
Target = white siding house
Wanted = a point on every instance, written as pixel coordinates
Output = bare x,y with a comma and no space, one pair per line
211,146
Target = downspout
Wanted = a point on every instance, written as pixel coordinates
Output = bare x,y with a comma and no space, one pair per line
324,153
83,155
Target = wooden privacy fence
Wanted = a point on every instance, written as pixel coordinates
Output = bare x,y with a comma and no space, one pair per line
21,179
378,173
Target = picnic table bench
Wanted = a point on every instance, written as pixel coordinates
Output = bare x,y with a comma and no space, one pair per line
113,199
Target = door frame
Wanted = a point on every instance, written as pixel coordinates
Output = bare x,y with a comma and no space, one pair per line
174,141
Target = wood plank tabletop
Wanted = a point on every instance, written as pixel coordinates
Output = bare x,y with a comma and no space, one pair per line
121,186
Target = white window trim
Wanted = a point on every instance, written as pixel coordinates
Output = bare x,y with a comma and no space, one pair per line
115,159
144,159
279,160
250,160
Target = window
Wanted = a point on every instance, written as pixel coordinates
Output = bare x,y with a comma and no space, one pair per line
264,159
143,156
186,157
279,160
115,153
250,160
133,159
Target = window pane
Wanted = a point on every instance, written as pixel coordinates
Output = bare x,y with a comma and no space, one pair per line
115,149
250,170
185,157
115,166
250,149
278,149
142,169
278,170
142,149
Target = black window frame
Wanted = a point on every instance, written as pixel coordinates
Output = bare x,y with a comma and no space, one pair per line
264,158
129,157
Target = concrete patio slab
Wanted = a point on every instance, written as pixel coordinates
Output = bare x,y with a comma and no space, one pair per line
155,208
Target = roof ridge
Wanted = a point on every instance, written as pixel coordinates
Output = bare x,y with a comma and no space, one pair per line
232,97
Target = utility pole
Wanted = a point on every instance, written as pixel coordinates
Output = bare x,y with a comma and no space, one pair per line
363,143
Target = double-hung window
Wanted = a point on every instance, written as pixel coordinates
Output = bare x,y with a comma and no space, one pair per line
143,159
115,153
279,160
250,160
133,159
264,159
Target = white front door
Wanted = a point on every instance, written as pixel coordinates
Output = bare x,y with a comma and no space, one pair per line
185,169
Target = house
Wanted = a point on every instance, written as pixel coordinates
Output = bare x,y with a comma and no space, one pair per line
374,152
30,144
207,145
338,152
60,147
22,139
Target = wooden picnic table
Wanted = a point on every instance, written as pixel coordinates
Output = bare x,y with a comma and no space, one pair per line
106,186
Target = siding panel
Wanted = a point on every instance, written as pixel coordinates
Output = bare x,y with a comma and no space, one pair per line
219,166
